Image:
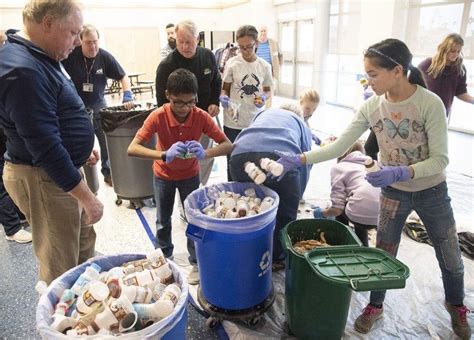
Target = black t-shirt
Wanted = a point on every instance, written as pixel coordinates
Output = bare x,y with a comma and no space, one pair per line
103,66
204,67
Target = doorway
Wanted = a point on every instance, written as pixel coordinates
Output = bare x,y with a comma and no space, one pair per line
297,45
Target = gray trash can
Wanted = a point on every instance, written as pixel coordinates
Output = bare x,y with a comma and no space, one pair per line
132,177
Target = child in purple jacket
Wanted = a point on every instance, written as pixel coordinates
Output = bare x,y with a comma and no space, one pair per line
353,198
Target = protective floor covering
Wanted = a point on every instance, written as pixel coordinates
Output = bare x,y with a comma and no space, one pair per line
416,311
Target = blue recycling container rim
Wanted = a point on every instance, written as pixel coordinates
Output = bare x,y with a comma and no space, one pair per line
202,197
47,301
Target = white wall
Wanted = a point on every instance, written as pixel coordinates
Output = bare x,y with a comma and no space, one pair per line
378,21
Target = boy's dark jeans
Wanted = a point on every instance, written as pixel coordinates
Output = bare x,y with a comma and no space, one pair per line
165,191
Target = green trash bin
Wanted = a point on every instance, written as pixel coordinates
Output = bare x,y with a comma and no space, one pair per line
319,284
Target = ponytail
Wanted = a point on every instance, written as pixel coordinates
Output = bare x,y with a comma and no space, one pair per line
416,76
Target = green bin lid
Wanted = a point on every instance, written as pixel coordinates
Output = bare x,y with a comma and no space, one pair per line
360,269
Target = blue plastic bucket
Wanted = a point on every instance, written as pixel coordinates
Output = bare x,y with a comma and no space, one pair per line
170,328
234,255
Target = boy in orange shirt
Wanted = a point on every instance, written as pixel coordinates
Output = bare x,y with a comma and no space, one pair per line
178,125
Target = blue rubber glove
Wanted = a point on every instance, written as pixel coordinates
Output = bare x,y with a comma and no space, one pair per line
195,148
315,138
318,213
260,103
175,150
127,96
225,101
289,161
388,175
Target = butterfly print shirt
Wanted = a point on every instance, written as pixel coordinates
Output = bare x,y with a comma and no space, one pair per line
411,132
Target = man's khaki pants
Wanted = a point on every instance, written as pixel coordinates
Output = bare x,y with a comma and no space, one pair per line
60,240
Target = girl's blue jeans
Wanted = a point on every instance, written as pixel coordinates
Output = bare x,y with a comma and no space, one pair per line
434,209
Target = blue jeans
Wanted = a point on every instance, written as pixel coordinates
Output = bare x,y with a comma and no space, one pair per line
164,196
434,209
288,189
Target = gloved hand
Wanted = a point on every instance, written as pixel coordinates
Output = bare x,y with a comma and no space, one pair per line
318,213
260,101
175,150
225,101
315,138
127,96
289,161
196,149
388,175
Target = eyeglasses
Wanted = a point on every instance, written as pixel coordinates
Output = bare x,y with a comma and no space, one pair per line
246,48
181,104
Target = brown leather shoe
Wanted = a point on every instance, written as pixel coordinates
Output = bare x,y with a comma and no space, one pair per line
108,180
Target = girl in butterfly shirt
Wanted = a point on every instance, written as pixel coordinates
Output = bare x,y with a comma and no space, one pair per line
409,120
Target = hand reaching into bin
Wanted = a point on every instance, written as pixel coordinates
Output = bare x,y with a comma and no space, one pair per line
127,100
174,151
318,213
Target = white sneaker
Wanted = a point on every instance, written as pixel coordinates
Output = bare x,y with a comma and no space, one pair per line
21,236
193,277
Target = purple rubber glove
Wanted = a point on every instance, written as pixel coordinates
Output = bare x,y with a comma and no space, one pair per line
195,148
175,150
289,161
318,213
260,102
225,101
388,175
315,138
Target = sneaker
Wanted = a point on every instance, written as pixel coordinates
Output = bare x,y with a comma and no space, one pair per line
21,236
108,180
459,320
366,320
193,277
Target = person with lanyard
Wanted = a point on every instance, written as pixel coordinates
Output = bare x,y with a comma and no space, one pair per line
89,67
49,136
411,131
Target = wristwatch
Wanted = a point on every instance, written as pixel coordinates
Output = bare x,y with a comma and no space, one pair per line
163,156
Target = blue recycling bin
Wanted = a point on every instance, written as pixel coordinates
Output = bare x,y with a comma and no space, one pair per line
234,255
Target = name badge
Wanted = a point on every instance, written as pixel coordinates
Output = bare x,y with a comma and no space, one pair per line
207,71
87,87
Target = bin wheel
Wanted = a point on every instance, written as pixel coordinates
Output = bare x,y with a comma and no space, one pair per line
254,321
118,201
212,322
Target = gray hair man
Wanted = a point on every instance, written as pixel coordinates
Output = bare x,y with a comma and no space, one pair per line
202,63
50,136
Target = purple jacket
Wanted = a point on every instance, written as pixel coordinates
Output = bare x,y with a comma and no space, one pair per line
352,193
